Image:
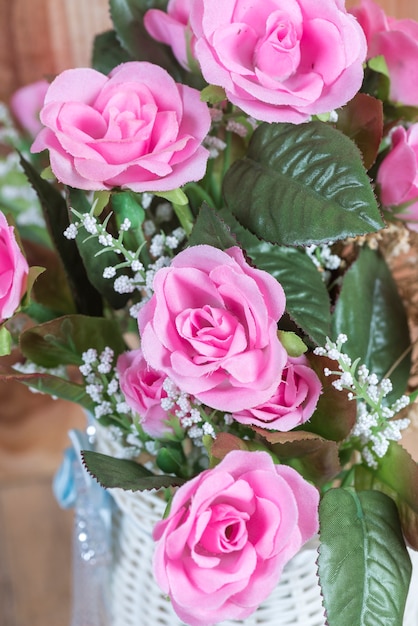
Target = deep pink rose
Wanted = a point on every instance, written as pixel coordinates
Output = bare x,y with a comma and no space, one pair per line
172,28
397,41
135,129
397,176
142,387
293,402
211,326
26,104
229,533
13,271
280,60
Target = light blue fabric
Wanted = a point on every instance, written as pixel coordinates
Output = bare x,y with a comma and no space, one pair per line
92,549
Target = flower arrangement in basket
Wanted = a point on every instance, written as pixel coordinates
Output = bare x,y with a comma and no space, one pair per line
222,194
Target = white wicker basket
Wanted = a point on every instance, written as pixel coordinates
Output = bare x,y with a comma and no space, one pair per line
136,600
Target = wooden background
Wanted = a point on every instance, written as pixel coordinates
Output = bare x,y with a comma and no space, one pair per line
40,38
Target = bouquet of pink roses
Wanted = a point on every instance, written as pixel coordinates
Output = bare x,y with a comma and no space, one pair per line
214,287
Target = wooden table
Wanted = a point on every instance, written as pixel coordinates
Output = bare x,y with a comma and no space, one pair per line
35,534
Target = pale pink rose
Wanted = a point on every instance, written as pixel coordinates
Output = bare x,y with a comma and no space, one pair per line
13,271
397,176
293,402
229,533
26,103
172,29
211,326
397,41
142,387
135,129
280,60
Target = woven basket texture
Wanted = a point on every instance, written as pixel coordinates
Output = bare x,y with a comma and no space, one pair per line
137,600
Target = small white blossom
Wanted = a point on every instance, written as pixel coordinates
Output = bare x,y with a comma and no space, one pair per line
71,232
109,272
137,266
146,200
126,224
164,212
123,284
90,224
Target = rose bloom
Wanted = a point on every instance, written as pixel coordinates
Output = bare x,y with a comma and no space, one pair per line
397,41
293,402
280,60
135,129
397,176
13,271
143,390
171,28
230,531
26,104
211,326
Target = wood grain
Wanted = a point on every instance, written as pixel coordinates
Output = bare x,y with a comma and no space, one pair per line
39,38
35,549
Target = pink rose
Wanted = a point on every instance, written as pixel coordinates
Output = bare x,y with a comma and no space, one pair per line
293,402
13,271
143,390
280,60
135,129
26,104
172,29
229,533
397,41
211,326
397,176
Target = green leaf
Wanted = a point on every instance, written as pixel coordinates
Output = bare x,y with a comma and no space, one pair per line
124,474
108,53
5,341
361,119
307,300
397,476
364,567
55,211
302,184
312,456
292,343
127,17
335,415
213,94
53,386
370,312
51,288
62,341
89,247
210,229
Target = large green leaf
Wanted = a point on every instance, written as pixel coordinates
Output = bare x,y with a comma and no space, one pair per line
51,385
335,415
307,300
397,476
210,229
361,119
108,53
63,340
370,312
125,474
127,17
87,299
94,263
302,184
364,567
315,458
